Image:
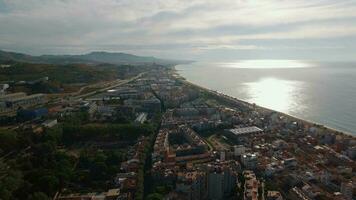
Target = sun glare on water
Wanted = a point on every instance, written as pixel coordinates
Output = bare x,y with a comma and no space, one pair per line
281,95
267,64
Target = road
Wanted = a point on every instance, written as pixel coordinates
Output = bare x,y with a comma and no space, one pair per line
121,82
113,84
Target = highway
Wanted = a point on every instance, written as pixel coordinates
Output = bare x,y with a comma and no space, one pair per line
121,82
113,84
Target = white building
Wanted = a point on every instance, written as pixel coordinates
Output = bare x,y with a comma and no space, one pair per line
50,123
141,118
4,66
3,88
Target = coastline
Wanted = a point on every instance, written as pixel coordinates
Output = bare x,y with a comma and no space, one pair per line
239,101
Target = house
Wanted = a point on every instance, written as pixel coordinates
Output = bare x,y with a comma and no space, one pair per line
50,123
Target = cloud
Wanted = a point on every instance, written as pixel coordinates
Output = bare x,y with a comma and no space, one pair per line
174,28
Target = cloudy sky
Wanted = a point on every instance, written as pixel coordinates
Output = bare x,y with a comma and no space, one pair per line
183,29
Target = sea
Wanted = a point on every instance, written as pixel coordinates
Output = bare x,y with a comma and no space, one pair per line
322,92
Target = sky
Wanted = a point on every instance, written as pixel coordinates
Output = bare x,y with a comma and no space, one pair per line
183,29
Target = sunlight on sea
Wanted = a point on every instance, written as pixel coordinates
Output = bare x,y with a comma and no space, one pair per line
275,93
323,92
267,64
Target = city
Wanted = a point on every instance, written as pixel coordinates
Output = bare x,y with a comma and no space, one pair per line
177,100
157,136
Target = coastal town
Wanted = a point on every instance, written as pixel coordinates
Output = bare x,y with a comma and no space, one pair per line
162,137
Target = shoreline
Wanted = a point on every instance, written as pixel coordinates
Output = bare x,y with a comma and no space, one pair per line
230,98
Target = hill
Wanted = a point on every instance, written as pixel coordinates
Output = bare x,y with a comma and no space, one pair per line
90,58
55,78
120,58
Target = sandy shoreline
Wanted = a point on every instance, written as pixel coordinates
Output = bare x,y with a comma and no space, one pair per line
294,118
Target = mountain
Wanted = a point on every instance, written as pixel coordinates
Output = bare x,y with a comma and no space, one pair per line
90,58
12,56
117,58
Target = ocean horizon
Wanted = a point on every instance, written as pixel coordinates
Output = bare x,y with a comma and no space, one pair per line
321,92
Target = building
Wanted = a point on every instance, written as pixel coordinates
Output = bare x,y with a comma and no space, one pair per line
273,168
50,123
11,102
28,114
239,150
3,88
192,184
251,186
290,162
27,101
239,134
245,131
222,155
325,177
351,152
151,105
222,179
249,160
297,194
111,194
105,112
12,96
215,185
179,145
347,189
141,118
274,195
92,109
4,66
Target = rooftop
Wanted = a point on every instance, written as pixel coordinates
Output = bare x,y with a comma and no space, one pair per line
245,130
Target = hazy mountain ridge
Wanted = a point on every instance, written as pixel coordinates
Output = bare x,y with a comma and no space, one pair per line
6,56
90,58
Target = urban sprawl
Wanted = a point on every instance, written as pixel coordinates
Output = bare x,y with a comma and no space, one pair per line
204,144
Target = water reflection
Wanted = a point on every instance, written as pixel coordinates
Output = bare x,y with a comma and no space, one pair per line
281,95
267,64
324,92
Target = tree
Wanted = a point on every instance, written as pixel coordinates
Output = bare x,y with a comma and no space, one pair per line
154,196
10,183
48,184
8,140
38,196
114,158
53,134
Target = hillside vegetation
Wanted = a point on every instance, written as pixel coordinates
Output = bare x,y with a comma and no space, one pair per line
29,77
116,58
74,73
